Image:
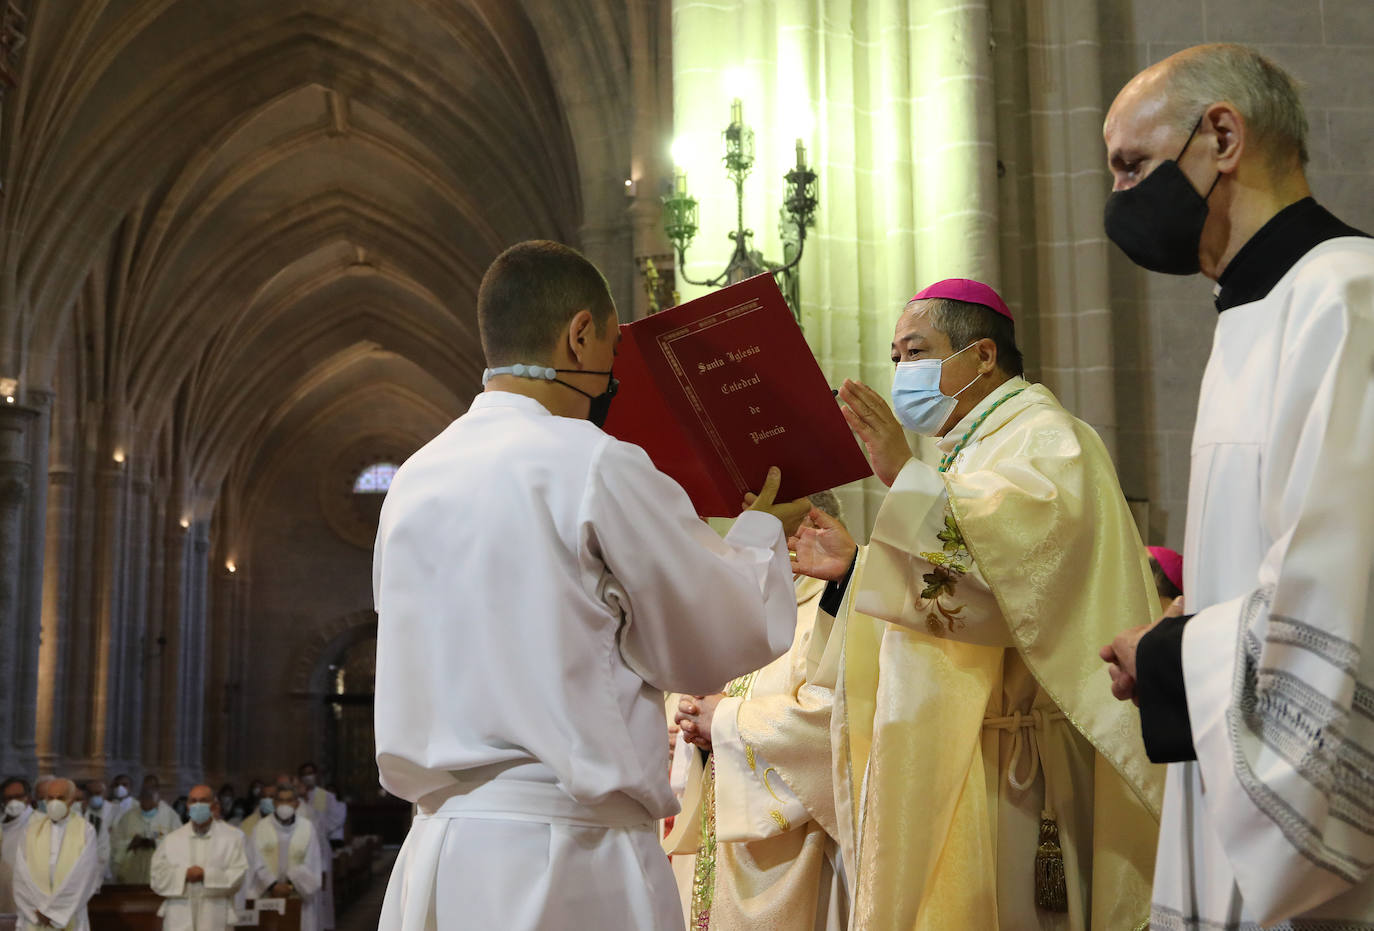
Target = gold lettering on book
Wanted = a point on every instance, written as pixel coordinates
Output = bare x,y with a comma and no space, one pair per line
739,355
739,384
704,367
758,435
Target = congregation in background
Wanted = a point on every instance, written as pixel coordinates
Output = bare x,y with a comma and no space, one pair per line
208,854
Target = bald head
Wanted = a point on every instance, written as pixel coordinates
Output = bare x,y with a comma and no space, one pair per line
1163,104
200,794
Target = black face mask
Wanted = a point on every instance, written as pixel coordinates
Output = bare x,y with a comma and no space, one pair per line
601,403
1158,223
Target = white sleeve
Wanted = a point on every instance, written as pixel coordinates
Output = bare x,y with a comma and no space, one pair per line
27,898
308,877
698,610
752,800
1279,682
167,876
80,884
224,876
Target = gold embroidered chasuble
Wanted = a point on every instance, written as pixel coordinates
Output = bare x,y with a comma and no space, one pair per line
972,701
759,814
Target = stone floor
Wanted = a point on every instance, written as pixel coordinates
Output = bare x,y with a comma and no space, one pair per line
363,914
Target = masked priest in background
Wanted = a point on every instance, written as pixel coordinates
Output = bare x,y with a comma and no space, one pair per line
984,776
524,553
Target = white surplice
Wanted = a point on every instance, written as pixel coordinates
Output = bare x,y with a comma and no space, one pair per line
327,813
290,852
1275,819
11,844
539,585
66,904
248,889
101,820
206,905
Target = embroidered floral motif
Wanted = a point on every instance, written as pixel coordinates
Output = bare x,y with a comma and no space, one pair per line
948,567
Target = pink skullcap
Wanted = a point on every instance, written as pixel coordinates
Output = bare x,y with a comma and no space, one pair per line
967,290
1171,562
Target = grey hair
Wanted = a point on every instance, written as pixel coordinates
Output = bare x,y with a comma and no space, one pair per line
1262,92
827,502
965,323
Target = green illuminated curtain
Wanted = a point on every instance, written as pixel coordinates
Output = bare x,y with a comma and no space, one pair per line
893,100
953,138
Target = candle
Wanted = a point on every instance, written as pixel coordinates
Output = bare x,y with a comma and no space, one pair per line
680,183
801,155
737,111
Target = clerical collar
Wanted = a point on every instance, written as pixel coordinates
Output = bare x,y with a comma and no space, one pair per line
1268,255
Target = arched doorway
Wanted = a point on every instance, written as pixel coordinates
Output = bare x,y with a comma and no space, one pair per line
349,739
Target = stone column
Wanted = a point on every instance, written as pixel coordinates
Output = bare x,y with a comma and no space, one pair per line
16,751
170,697
31,567
190,707
163,536
53,716
136,645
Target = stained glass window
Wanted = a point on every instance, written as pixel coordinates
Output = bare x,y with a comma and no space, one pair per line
375,479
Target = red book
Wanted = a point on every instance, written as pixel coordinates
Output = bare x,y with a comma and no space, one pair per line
720,388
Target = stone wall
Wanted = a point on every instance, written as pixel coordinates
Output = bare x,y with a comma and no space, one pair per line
1163,325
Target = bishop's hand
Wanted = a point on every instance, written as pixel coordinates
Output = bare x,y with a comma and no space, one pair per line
822,548
791,513
871,417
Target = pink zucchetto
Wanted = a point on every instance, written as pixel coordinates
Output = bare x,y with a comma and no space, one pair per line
1171,562
968,291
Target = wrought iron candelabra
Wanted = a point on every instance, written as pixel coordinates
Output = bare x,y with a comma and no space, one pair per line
680,215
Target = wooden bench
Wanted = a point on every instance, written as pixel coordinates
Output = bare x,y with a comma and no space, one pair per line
134,908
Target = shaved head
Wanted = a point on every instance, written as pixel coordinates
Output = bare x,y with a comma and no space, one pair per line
200,794
1164,102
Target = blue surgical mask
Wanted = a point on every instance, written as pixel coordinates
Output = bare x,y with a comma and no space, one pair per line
265,806
917,400
199,812
150,814
96,802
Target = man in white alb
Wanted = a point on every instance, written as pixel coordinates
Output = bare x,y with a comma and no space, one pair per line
1261,695
525,554
58,868
198,868
15,794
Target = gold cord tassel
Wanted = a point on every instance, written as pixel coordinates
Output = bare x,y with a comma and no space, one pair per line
1051,886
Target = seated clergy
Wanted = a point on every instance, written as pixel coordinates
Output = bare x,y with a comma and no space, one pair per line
290,856
15,793
983,778
766,820
198,868
58,869
136,835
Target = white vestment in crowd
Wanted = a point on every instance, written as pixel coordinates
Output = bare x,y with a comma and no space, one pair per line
11,844
248,889
1275,819
132,866
101,821
206,905
290,852
56,873
328,814
539,585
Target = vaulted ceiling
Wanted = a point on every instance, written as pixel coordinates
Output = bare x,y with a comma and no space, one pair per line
223,219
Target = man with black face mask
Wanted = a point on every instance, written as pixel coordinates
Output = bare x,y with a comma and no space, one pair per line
1259,691
538,585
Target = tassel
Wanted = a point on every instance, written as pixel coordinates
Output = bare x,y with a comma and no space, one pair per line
1051,887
